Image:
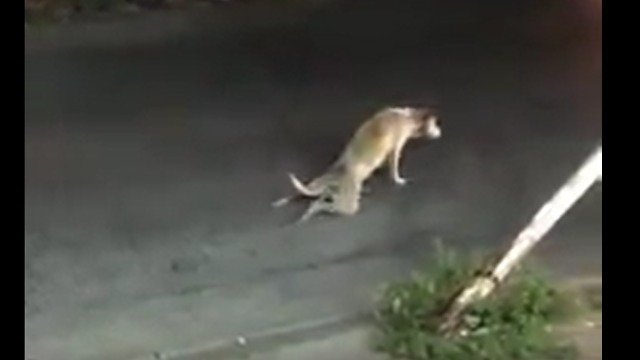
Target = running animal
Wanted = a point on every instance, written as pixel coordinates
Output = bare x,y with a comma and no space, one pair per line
378,141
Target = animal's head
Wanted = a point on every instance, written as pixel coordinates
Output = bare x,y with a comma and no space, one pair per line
426,121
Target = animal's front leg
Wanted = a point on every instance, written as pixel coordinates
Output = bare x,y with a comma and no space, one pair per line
394,165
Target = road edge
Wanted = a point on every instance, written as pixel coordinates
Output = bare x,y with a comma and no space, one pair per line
280,337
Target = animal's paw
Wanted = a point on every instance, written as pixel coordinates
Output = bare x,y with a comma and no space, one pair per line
400,181
280,202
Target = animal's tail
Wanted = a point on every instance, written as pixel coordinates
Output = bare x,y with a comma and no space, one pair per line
313,189
303,190
300,186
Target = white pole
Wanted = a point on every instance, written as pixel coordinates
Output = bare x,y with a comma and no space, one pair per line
551,212
542,222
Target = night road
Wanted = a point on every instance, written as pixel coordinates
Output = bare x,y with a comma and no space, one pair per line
151,162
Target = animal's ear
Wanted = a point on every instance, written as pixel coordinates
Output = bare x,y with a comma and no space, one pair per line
425,114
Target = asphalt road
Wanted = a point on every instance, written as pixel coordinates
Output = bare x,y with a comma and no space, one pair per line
150,164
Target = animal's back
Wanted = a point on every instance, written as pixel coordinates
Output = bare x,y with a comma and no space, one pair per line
371,144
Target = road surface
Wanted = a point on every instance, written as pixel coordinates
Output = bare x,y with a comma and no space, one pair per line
151,158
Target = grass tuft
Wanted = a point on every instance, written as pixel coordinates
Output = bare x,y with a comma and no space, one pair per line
511,324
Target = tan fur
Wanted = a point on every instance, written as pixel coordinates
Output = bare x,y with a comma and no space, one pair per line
378,141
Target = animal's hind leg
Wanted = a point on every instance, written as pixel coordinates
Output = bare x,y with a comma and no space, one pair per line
322,204
347,199
283,201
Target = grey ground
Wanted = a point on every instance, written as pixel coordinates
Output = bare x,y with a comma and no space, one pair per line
151,159
356,343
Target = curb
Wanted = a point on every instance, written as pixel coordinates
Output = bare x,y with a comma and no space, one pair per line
272,339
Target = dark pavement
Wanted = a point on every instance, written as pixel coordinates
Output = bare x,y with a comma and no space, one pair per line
150,165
